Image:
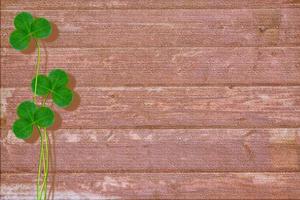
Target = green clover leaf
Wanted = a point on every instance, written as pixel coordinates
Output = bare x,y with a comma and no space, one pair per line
44,117
27,28
26,110
22,128
30,116
56,84
19,40
23,22
58,78
41,28
43,85
62,96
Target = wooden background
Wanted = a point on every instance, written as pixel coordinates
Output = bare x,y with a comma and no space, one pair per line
175,99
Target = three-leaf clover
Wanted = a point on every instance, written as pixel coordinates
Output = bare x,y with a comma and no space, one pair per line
29,116
27,28
56,85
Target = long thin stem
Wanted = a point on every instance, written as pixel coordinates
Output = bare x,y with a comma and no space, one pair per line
45,181
40,164
41,158
47,163
37,69
44,154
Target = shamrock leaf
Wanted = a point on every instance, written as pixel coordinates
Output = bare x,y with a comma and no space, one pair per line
19,39
62,96
41,85
23,22
44,117
41,28
26,110
58,78
23,128
27,28
30,116
56,84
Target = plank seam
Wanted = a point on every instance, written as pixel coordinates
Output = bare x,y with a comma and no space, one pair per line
157,172
158,9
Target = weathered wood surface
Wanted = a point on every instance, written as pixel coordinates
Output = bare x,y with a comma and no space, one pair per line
152,4
174,107
181,99
165,150
94,186
160,66
169,28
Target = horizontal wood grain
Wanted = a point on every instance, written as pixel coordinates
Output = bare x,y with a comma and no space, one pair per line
159,66
157,186
172,107
138,4
152,150
168,28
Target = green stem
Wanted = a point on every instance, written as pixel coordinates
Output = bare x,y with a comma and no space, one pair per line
44,153
45,181
40,164
47,163
41,158
37,69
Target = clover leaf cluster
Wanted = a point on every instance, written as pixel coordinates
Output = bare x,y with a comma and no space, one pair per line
31,115
36,114
26,28
55,84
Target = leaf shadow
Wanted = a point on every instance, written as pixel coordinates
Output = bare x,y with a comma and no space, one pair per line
76,98
52,161
34,138
30,49
57,123
54,35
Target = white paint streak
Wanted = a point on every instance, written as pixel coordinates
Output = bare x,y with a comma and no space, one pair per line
5,93
264,97
135,136
12,139
111,183
149,137
284,136
261,179
76,136
72,138
188,54
27,192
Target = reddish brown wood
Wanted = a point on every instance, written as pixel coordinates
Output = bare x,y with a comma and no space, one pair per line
77,186
174,107
138,4
159,66
180,99
169,28
155,150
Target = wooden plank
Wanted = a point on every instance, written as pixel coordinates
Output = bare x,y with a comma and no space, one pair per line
168,28
173,107
153,150
137,4
159,66
157,186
